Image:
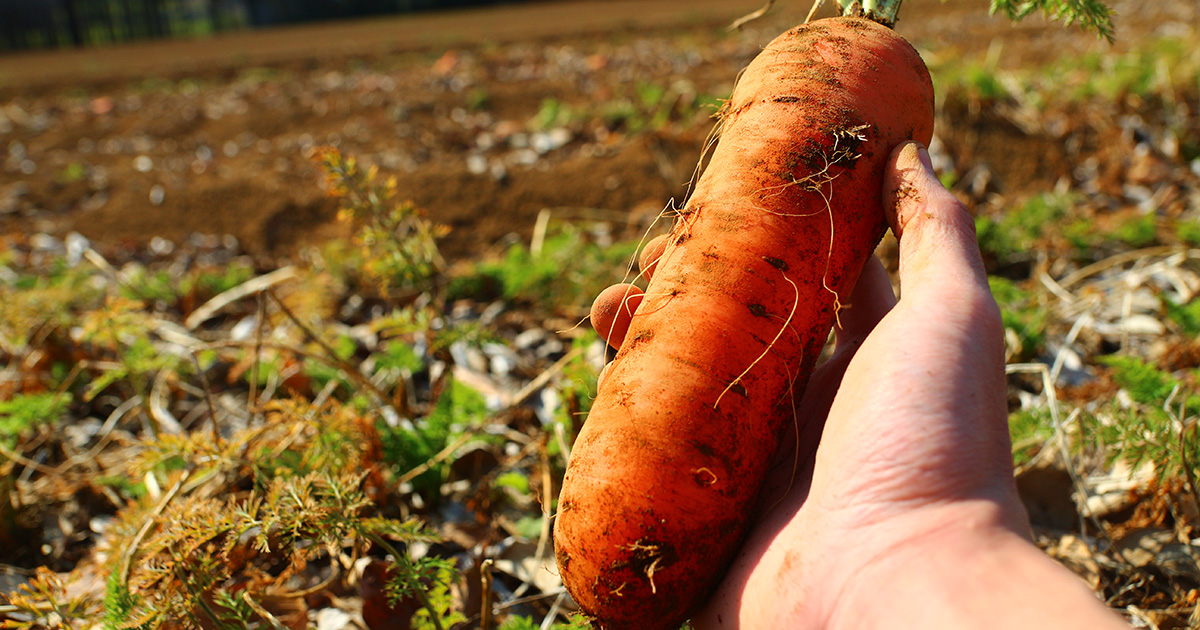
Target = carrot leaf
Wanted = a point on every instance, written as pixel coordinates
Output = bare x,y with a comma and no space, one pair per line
1093,15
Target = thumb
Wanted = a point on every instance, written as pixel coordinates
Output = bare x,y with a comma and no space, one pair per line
938,246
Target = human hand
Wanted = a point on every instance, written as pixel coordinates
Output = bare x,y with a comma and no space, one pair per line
912,481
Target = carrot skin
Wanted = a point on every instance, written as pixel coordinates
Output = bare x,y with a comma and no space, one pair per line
648,260
612,311
665,473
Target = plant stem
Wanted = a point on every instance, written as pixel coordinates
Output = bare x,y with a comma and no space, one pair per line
883,11
408,573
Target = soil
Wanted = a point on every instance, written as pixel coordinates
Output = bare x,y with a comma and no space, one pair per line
486,117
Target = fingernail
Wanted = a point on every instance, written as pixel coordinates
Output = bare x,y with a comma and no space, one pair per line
923,154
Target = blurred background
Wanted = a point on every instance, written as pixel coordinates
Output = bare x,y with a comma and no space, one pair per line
50,23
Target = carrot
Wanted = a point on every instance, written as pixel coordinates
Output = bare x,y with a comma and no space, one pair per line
612,311
664,476
648,260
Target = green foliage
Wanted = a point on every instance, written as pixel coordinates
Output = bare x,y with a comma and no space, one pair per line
976,80
310,478
1156,427
429,579
234,612
1030,430
1138,231
578,389
578,622
1019,230
1149,434
24,412
1158,69
73,172
1162,65
397,244
45,603
398,356
406,447
1082,235
653,107
123,485
515,480
1144,382
569,270
1189,232
1021,314
47,297
478,99
322,373
166,288
552,113
1186,316
1093,15
119,605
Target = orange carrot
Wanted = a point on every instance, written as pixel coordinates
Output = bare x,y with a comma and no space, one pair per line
612,311
664,476
648,260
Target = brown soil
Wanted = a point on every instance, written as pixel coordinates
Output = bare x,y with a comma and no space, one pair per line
212,136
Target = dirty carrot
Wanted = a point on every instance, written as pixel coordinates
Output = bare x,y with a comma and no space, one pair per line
665,473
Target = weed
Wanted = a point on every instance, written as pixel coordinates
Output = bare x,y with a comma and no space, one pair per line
1145,383
398,247
653,107
1152,425
1186,316
478,99
570,269
1188,232
409,446
45,602
1021,315
552,113
23,413
1019,230
1030,430
73,172
1139,231
578,622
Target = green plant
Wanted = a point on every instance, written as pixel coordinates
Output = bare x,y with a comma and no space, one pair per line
24,412
73,172
407,447
1138,231
1145,383
479,99
1093,15
46,603
1021,314
1020,229
552,113
569,270
310,472
578,622
1155,425
1186,315
1029,430
397,244
117,331
1188,232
